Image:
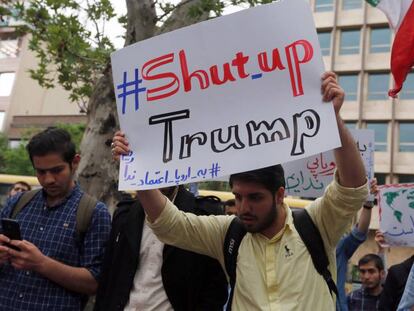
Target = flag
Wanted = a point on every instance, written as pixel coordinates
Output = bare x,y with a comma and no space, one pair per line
400,14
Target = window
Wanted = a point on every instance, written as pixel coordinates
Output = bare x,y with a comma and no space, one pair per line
349,42
351,124
349,83
325,42
323,5
6,83
14,143
407,91
378,84
381,129
381,178
380,40
405,179
351,4
2,115
406,137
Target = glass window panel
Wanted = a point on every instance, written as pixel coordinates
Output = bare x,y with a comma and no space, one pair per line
407,91
381,134
325,42
351,4
6,83
323,5
9,48
2,116
349,42
406,137
350,85
378,85
405,179
380,40
381,178
351,125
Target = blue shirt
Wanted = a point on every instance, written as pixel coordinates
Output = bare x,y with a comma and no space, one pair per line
344,250
407,299
53,231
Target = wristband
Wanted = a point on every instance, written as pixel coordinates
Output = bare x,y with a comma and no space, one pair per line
367,206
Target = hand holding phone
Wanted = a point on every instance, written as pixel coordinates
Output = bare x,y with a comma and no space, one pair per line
11,229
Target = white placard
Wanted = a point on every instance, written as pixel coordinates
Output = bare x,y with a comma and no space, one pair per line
396,205
227,95
309,177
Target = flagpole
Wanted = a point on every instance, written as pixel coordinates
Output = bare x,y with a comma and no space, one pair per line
392,147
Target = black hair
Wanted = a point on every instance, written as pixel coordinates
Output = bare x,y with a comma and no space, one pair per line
372,258
271,177
231,202
52,140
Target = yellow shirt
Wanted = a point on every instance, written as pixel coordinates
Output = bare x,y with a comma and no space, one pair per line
272,274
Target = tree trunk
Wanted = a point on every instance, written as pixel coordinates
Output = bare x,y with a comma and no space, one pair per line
97,172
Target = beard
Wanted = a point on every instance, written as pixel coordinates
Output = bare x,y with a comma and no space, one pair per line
262,224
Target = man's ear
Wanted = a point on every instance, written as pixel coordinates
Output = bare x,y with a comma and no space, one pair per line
280,195
75,162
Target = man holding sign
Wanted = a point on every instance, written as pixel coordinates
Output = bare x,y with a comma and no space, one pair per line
274,268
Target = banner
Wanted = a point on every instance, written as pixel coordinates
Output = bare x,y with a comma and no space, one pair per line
309,177
396,205
227,95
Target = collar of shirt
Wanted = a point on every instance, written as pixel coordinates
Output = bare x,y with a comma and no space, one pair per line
76,189
287,226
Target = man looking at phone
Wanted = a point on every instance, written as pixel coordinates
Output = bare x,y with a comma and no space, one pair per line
55,268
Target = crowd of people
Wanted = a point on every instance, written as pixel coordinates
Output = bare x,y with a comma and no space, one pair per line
169,250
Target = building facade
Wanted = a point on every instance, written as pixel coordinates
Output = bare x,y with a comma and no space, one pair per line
23,103
356,44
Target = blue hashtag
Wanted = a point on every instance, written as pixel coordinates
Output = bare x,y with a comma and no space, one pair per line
135,90
214,170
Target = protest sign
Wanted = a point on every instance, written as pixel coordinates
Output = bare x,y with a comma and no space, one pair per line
396,205
309,177
227,95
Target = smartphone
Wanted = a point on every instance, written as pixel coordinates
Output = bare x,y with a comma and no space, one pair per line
11,229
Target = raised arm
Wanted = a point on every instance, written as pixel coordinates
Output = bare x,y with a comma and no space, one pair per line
349,163
365,217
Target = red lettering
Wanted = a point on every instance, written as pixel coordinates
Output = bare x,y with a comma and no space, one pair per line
239,61
227,75
166,90
294,63
200,75
276,61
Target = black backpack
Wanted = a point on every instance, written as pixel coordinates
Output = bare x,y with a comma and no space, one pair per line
309,234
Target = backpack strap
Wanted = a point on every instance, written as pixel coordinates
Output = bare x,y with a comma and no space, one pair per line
311,236
232,241
84,213
24,199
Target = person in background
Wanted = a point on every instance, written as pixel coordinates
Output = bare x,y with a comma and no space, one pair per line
230,207
394,285
20,186
141,273
349,244
407,299
371,272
